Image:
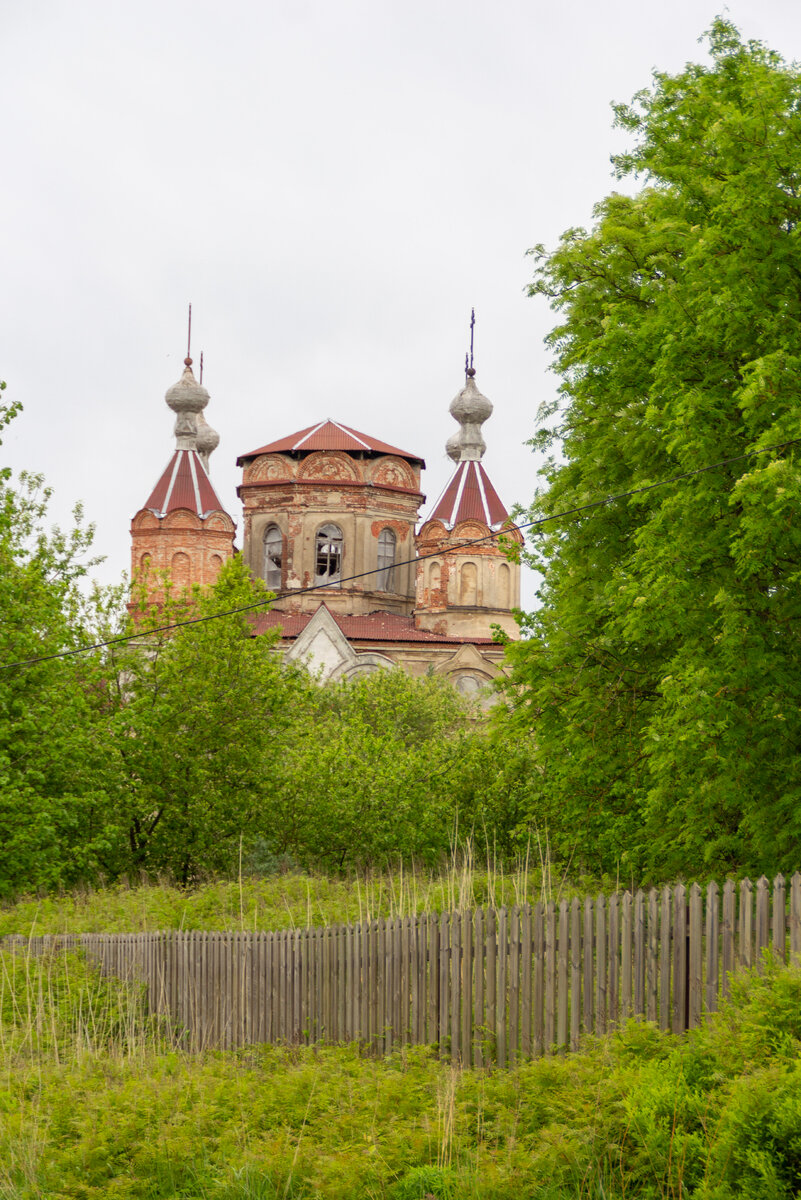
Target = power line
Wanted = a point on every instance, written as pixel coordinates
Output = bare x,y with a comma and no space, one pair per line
570,512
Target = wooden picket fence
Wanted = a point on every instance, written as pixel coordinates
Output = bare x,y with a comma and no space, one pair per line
485,986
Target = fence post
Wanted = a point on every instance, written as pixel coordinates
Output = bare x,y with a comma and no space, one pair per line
600,965
514,983
680,959
625,957
746,926
762,920
575,972
444,981
480,1017
564,952
712,952
500,996
589,964
467,987
779,919
491,979
526,981
728,947
696,958
456,966
550,977
795,916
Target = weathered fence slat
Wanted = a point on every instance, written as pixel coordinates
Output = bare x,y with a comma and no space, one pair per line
712,947
514,984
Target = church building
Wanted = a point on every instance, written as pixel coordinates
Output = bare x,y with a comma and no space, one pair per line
332,523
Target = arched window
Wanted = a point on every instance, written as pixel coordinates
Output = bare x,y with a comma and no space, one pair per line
328,566
386,560
273,551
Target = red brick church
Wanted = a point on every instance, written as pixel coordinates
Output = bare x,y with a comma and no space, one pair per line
331,521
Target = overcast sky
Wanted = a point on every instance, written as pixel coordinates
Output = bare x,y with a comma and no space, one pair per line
332,184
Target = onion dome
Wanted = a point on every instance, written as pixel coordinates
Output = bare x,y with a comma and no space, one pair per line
207,440
471,409
186,398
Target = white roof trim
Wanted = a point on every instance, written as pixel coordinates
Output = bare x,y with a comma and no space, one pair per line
193,473
458,498
171,484
480,479
306,437
350,433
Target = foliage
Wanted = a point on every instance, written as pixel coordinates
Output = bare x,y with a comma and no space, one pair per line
662,675
372,773
52,814
96,1101
202,715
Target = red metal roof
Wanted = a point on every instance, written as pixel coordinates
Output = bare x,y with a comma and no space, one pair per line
184,484
372,627
469,496
329,435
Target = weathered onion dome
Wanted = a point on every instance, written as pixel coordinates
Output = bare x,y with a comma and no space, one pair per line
453,446
207,441
186,398
471,409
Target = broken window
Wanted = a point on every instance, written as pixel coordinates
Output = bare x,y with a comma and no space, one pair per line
329,554
273,553
386,561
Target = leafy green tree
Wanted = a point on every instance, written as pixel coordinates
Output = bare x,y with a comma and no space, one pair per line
374,772
202,717
662,675
53,815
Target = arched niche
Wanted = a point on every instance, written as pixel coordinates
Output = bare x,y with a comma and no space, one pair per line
180,570
468,585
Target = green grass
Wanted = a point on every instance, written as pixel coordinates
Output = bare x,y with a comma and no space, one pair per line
286,900
97,1101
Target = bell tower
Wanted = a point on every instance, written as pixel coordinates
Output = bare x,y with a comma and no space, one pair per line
182,533
466,582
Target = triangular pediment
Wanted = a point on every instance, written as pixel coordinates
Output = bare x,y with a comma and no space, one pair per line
469,658
322,647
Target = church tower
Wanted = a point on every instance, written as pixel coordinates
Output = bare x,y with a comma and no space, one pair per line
332,509
182,532
465,580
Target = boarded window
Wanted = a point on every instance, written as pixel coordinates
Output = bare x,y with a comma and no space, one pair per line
387,543
180,571
504,586
468,584
273,557
328,567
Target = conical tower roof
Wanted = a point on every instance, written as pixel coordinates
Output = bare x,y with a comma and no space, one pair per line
469,494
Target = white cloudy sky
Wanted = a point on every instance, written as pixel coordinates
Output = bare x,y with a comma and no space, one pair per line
331,184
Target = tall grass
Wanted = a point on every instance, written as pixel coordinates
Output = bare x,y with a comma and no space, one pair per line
54,1007
472,876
